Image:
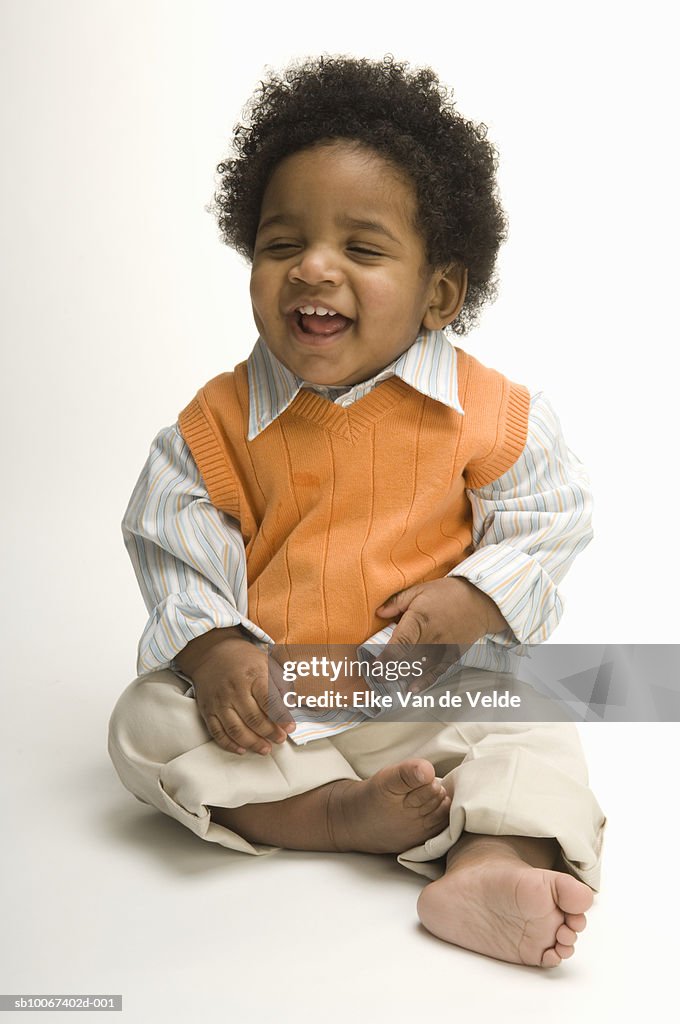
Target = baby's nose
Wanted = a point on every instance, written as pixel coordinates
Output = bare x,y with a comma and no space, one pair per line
317,266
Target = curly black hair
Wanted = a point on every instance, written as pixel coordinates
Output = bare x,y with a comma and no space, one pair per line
407,117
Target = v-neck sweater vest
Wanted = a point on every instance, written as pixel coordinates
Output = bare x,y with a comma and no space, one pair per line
341,507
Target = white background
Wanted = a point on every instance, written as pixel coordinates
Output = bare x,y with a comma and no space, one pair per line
119,302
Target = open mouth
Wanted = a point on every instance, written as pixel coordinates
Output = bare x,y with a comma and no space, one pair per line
319,321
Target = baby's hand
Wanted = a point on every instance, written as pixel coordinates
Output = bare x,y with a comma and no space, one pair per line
233,692
449,611
446,611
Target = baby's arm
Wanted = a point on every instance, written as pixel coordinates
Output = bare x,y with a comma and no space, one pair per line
190,564
528,526
188,557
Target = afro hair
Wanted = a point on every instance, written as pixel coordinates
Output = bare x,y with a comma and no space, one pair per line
410,120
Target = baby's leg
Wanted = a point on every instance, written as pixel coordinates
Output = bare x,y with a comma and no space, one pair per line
500,897
509,891
396,808
163,754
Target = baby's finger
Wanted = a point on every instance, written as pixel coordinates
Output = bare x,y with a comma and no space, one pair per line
277,689
251,709
277,715
236,725
398,603
410,630
216,730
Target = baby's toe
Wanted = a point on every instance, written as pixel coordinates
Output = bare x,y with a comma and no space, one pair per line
565,935
573,897
551,958
435,821
439,808
411,775
564,951
431,807
425,796
576,922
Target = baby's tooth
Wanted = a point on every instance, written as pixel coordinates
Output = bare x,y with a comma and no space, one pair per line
319,310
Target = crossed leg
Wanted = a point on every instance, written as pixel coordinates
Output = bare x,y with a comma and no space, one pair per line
499,896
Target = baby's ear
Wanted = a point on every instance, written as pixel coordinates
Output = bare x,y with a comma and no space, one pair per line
449,287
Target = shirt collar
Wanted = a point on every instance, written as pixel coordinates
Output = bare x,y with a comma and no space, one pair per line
429,366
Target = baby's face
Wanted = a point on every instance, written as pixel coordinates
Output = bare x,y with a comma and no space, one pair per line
340,283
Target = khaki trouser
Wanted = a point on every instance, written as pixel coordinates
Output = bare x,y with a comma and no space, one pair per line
526,779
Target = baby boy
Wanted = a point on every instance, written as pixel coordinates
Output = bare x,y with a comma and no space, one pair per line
358,479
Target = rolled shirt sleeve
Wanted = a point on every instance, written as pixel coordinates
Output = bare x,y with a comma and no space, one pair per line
189,558
528,527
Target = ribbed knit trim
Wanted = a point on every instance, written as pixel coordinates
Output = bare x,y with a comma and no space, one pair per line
200,433
509,446
350,422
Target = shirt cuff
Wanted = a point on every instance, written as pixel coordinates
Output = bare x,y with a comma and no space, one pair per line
525,594
180,619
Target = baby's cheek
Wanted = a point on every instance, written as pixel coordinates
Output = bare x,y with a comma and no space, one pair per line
260,287
385,295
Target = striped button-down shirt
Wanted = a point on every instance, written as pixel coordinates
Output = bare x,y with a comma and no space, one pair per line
189,557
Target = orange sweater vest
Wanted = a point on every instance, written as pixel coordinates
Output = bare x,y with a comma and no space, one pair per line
340,508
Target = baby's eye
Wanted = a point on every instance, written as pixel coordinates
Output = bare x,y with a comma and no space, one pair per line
280,246
364,250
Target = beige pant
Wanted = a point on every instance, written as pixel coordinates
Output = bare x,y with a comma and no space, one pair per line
526,779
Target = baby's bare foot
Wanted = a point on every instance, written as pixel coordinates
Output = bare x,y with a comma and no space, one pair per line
502,906
397,808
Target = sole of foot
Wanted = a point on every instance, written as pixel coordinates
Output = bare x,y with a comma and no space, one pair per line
507,909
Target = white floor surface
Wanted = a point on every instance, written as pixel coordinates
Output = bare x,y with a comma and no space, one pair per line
103,894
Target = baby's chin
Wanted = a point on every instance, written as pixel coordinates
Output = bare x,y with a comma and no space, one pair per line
326,374
330,380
